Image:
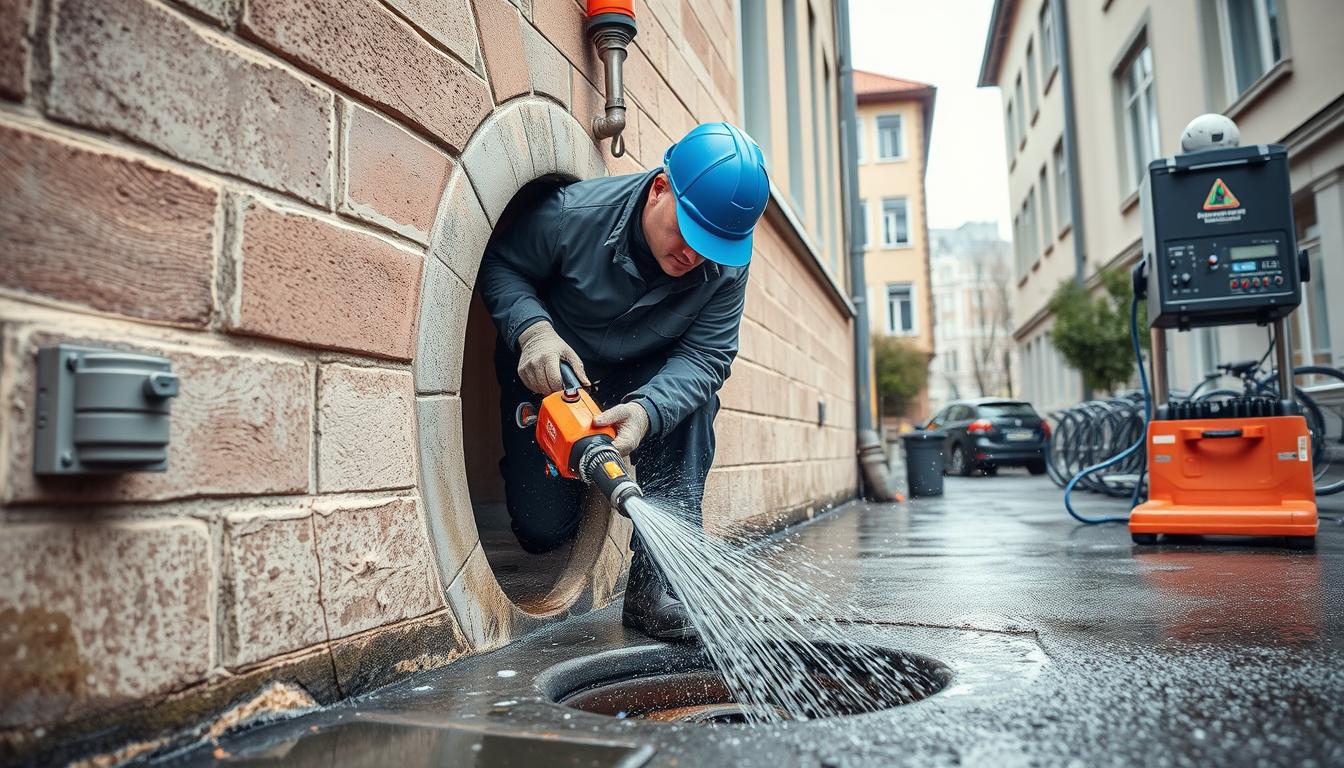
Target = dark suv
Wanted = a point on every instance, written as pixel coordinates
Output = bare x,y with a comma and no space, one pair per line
990,433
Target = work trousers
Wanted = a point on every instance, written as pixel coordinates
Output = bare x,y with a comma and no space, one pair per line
544,510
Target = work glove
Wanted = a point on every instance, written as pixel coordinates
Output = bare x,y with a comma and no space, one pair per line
631,422
540,350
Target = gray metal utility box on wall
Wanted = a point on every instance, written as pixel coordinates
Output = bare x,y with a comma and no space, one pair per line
1219,238
101,411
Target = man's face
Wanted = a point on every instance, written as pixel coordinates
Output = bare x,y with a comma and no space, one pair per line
662,232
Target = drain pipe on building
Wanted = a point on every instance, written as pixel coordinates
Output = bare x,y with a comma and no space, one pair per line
610,29
877,484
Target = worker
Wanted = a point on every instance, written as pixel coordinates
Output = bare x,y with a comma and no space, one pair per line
638,282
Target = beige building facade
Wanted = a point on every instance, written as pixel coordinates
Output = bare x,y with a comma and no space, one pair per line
895,122
289,202
1139,71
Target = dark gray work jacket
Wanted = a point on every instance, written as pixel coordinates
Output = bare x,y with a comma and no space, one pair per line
566,262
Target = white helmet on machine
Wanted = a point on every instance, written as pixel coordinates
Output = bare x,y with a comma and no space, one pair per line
1210,131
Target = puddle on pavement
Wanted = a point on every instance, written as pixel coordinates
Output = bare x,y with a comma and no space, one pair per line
411,746
680,684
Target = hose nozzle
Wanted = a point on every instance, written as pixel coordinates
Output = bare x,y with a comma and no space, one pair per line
602,466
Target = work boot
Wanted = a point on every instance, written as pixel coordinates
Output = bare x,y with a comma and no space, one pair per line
650,605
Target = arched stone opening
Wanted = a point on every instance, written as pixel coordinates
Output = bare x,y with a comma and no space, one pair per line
497,591
542,584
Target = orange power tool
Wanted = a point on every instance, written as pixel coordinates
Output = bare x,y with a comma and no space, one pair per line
574,447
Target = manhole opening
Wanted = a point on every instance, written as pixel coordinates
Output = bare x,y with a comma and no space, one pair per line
680,684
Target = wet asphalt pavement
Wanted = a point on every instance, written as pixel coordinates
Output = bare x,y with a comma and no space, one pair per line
1067,645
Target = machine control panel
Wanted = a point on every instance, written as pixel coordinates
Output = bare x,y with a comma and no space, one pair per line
1222,267
1218,238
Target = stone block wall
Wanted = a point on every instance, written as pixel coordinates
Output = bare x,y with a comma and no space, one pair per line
290,202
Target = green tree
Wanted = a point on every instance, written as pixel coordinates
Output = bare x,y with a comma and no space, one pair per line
902,372
1091,331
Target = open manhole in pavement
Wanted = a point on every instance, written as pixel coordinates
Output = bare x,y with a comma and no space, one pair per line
678,683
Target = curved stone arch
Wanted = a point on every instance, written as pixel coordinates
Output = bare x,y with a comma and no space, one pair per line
520,142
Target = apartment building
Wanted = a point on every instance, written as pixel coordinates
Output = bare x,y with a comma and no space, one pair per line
895,122
972,329
1093,91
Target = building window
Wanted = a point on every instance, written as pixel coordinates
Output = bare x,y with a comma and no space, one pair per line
1017,246
1062,211
755,73
861,141
1030,225
1249,30
1142,142
1049,47
862,234
1021,113
901,309
895,222
890,137
1031,79
793,90
832,174
1047,234
818,147
1009,131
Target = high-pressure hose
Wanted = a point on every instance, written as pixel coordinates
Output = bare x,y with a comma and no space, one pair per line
1140,443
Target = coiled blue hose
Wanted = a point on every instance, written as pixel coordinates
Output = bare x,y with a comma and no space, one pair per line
1143,436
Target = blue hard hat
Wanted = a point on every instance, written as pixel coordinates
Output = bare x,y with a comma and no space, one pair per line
718,180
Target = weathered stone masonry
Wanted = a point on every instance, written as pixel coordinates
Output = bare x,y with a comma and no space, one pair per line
290,201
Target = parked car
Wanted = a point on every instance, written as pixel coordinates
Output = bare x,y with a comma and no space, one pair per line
989,433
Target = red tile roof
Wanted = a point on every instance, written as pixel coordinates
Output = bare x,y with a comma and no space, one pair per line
872,84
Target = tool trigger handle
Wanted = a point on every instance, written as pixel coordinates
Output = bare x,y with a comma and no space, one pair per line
571,381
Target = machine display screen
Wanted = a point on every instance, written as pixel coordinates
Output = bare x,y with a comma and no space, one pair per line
1243,266
1257,251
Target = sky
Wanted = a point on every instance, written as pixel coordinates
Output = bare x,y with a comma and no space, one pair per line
941,43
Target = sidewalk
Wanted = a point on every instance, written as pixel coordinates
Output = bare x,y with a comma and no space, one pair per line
1067,645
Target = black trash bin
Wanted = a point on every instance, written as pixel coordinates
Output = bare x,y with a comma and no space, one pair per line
924,462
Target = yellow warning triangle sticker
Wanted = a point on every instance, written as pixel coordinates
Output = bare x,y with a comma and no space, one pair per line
1220,197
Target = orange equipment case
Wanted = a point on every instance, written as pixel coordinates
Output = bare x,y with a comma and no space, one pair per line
1242,477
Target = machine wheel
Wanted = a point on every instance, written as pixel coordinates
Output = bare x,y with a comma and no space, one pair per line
1301,542
1036,467
1143,538
957,463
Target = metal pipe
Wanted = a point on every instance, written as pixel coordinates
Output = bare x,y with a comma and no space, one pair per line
873,465
611,122
858,287
1159,366
1283,359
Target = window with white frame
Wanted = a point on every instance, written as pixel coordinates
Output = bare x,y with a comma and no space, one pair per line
895,222
1049,49
1249,31
1063,214
1031,78
901,309
862,234
1010,131
890,137
860,142
1142,142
